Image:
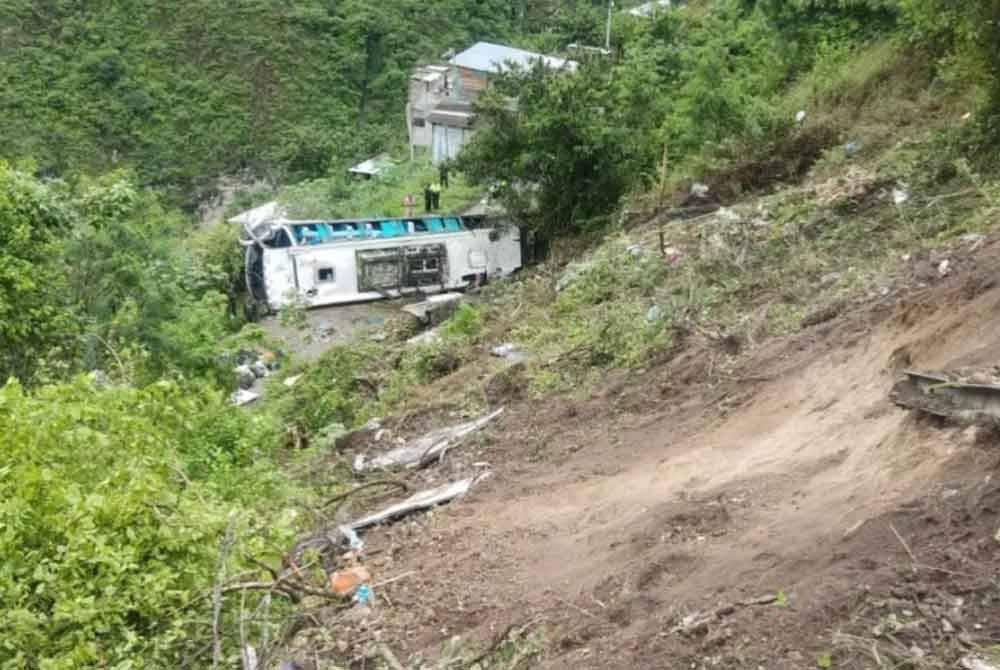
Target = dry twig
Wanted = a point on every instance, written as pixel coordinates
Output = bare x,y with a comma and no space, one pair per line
380,482
217,591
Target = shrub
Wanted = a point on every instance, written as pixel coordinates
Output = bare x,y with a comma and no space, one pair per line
112,503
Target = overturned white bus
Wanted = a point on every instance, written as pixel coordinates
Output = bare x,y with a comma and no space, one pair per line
316,263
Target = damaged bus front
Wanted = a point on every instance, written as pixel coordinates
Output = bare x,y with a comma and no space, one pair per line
316,263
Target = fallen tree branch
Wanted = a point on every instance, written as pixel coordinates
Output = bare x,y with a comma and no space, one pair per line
380,482
578,608
289,588
394,579
389,657
220,574
909,552
693,624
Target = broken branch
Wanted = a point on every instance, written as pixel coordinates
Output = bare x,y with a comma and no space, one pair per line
389,657
913,559
227,544
394,579
381,482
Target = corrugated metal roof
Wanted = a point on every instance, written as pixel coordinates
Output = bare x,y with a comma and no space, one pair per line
488,57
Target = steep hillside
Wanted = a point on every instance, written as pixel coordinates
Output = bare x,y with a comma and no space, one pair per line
195,90
759,213
779,512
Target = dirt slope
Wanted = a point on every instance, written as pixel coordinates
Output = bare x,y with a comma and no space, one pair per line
681,490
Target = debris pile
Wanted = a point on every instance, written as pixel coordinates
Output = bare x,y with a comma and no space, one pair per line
340,551
966,397
425,450
252,367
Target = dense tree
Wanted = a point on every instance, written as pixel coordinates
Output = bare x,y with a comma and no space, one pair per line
35,315
970,32
193,90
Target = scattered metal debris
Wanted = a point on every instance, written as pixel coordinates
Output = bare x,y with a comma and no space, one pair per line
259,369
245,376
970,399
417,502
511,353
435,309
976,240
901,194
354,540
976,663
244,397
425,450
699,622
699,190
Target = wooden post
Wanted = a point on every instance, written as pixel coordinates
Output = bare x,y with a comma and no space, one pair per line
663,177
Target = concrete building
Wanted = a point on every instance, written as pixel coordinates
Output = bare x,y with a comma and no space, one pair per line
439,111
429,87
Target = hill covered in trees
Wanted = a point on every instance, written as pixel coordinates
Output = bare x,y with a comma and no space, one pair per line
130,485
189,91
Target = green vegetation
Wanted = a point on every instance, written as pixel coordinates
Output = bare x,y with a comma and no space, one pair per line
98,275
199,90
129,480
114,503
710,92
346,197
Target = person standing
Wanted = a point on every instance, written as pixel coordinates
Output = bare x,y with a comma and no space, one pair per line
435,196
444,170
428,198
409,202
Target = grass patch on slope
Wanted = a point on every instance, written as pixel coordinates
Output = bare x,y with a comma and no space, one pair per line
343,197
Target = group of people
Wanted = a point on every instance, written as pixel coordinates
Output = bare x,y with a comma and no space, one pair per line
432,193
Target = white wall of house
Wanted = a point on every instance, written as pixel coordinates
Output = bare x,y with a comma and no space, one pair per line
447,142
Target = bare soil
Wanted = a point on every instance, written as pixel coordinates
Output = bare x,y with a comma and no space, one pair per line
641,527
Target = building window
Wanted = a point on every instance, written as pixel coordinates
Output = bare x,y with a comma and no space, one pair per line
419,123
326,274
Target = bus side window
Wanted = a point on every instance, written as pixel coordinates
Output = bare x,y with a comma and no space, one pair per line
393,228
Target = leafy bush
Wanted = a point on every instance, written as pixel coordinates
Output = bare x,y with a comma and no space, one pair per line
465,324
99,275
113,504
969,34
608,315
35,316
